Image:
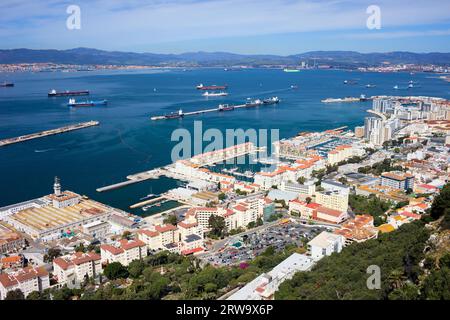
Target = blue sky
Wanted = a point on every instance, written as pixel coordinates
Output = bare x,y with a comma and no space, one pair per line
242,26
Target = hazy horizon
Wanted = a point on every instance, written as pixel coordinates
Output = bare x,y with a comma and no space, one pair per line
278,27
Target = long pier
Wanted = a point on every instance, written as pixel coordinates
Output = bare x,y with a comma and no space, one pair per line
135,178
42,134
144,203
240,106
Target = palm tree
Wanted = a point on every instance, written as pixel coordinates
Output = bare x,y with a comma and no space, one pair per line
396,279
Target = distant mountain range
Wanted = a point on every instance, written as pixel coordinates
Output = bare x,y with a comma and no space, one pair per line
344,59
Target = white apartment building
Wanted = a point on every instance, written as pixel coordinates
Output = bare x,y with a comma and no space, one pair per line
325,244
124,252
27,280
185,238
333,199
72,269
340,153
265,285
306,189
302,209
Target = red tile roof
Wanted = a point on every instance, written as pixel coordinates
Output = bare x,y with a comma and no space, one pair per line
149,233
165,228
328,211
191,251
112,249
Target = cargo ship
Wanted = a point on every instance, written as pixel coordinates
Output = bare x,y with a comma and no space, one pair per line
225,107
174,115
273,100
213,87
214,94
67,93
254,103
6,84
73,103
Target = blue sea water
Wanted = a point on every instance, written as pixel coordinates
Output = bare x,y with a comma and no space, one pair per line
127,141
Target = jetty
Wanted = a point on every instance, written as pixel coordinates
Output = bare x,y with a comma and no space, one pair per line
221,108
147,202
45,133
347,99
134,178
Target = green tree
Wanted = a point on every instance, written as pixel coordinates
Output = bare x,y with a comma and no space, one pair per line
35,295
80,248
222,196
441,203
51,254
301,180
126,235
217,225
171,219
115,270
135,268
15,295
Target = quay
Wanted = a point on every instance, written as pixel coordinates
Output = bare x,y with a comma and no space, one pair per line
135,178
144,203
201,160
45,133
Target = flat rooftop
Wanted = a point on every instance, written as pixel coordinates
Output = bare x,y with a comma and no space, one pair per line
48,217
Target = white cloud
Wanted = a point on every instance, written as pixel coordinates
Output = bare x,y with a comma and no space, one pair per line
111,23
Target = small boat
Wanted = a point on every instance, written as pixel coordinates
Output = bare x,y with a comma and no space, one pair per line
362,97
396,87
6,84
370,86
214,94
73,103
54,93
225,107
294,86
148,196
291,70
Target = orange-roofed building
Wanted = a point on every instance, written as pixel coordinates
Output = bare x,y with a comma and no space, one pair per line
125,251
28,279
72,269
359,229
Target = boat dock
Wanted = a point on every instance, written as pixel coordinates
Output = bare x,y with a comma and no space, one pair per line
42,134
220,108
193,113
147,202
135,178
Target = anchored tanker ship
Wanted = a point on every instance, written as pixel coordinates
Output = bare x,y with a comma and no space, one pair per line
212,88
67,93
73,103
6,84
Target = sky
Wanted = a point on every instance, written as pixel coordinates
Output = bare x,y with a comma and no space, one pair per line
279,27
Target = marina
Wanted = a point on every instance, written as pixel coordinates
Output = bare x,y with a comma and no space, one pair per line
42,134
